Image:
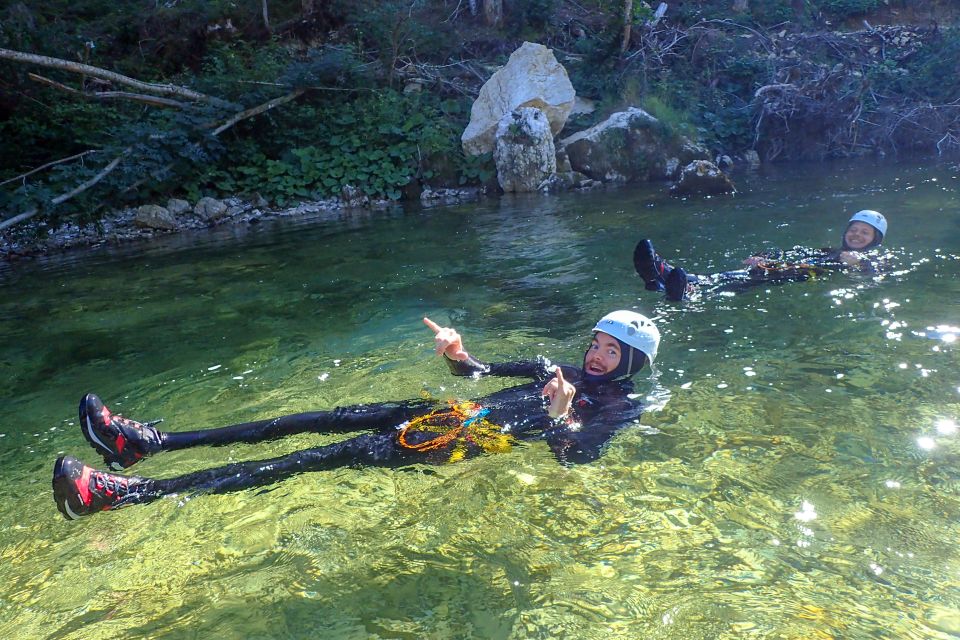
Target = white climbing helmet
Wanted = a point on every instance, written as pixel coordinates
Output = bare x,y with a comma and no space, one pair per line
873,218
633,329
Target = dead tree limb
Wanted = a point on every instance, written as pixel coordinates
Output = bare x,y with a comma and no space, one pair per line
48,165
66,196
266,106
103,74
156,101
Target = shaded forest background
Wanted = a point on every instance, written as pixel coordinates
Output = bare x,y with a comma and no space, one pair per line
290,100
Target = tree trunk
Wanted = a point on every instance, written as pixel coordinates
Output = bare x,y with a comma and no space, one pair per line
741,6
493,12
266,16
627,24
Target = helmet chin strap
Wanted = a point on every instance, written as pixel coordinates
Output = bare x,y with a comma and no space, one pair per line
624,368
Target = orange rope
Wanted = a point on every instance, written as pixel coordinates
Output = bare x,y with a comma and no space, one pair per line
460,421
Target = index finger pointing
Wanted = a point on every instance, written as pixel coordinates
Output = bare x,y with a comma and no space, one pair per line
433,325
560,374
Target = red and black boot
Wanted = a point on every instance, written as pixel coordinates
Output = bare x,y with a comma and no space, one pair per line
80,490
121,441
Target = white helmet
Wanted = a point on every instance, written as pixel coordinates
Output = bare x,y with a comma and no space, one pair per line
633,329
873,218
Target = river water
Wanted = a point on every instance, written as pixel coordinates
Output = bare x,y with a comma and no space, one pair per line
796,475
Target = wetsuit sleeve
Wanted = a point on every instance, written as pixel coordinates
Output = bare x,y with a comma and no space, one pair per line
582,439
539,369
865,263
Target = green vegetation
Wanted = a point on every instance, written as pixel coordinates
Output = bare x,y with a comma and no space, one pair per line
334,74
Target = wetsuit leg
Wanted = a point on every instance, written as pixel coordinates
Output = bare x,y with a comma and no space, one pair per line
341,419
376,449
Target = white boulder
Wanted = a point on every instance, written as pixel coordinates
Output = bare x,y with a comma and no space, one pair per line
532,77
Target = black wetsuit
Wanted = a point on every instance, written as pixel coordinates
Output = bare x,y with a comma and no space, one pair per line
796,265
600,409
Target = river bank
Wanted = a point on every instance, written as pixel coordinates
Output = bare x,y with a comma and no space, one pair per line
37,239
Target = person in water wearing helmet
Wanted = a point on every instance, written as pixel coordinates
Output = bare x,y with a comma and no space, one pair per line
575,409
865,230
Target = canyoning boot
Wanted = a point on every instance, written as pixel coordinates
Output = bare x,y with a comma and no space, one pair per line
676,284
121,441
649,266
80,490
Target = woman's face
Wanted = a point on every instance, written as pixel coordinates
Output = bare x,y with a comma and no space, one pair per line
859,235
603,356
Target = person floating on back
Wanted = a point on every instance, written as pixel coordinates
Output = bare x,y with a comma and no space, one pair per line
865,230
576,410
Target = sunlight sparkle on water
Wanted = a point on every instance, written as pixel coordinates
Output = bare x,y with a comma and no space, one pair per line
807,512
946,427
926,443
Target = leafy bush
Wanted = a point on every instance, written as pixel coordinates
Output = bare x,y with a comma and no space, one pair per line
376,144
933,73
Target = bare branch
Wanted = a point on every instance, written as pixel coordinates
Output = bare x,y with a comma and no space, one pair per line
266,106
66,196
49,164
138,97
103,74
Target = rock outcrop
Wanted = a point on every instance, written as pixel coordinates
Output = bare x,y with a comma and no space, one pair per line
525,155
629,146
531,78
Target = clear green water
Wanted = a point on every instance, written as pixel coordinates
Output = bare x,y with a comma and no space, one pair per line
798,487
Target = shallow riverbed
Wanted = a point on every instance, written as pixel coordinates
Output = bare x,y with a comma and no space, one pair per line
796,475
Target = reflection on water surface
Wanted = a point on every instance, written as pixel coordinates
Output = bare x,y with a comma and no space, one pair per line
798,478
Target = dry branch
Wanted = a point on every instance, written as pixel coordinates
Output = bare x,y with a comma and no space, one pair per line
66,196
102,95
49,164
103,74
266,106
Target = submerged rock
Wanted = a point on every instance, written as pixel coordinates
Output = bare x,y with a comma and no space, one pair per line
702,177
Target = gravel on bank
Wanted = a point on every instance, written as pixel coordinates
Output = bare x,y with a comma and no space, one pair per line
37,239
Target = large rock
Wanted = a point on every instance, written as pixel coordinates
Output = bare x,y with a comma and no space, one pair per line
525,155
177,206
152,216
629,146
702,177
210,209
531,78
